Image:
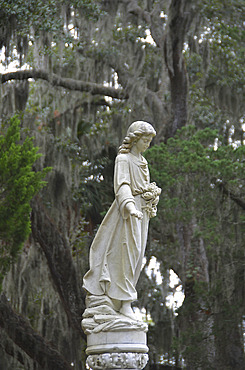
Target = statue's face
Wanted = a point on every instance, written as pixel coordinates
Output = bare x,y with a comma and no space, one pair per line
143,143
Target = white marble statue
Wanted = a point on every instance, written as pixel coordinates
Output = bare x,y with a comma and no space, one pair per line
118,249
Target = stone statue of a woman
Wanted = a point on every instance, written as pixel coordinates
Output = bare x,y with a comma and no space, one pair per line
118,249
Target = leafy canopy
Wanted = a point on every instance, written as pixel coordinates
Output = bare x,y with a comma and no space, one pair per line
195,175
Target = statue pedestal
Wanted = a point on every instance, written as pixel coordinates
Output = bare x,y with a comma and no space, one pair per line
124,349
114,341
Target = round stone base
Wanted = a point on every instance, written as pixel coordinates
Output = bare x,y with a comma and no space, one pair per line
116,341
114,360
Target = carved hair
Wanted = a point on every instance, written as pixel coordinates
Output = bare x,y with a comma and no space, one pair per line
134,133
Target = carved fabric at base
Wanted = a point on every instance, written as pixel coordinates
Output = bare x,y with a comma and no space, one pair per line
102,315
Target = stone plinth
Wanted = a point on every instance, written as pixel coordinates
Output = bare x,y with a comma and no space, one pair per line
117,350
116,341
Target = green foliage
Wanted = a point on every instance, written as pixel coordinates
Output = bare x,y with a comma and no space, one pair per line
190,170
215,64
226,46
18,184
202,200
41,14
89,8
129,33
25,22
196,177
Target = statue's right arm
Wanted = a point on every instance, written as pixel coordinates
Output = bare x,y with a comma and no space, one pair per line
122,187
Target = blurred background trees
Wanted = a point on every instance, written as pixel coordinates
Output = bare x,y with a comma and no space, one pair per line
78,73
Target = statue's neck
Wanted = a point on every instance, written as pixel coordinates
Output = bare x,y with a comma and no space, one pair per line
135,152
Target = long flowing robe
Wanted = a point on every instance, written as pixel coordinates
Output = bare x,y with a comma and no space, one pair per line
117,252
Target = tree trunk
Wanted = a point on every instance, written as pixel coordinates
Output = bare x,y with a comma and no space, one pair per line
181,15
62,269
228,340
195,318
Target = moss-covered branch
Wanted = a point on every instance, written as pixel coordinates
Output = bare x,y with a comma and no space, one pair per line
134,8
232,196
67,83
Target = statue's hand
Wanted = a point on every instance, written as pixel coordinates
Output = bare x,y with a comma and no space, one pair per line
137,214
133,211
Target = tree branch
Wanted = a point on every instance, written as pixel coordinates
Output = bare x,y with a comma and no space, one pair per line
67,83
232,196
22,334
151,18
134,8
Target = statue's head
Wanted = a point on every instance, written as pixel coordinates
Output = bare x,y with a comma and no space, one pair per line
135,131
141,128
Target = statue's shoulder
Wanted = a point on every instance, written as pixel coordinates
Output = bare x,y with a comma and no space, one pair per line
122,157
